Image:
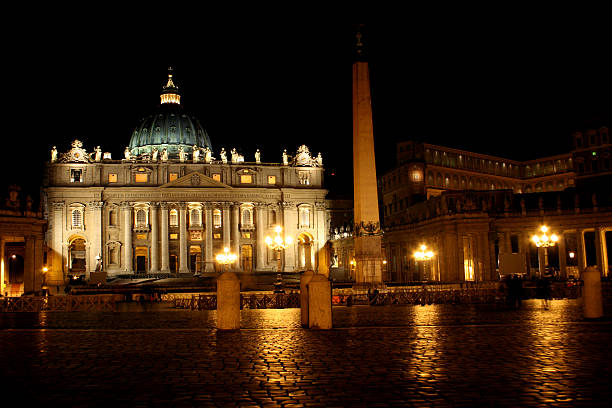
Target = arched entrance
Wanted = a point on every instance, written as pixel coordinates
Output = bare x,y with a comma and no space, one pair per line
77,257
305,252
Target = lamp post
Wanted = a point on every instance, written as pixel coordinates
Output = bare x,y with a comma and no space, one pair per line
423,255
544,241
277,244
226,258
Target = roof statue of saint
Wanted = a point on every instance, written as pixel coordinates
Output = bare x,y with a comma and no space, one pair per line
169,127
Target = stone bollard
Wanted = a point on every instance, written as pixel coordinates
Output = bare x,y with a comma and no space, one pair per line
592,305
304,280
319,303
228,301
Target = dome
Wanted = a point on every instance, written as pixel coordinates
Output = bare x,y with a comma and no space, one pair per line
169,127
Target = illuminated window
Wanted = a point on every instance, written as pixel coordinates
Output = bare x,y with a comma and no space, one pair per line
304,217
217,236
173,176
77,218
173,236
304,177
216,177
112,178
246,178
141,218
141,236
247,216
195,217
141,177
271,179
173,218
246,235
217,218
76,175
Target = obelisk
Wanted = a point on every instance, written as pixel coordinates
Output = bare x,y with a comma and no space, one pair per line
367,232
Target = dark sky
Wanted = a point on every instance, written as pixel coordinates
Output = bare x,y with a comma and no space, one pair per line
515,87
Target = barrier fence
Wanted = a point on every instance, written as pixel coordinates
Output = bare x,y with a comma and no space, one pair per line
69,303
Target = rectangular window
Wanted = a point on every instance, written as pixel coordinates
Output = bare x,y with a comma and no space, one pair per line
246,178
141,178
141,236
514,244
173,176
75,175
271,179
216,177
217,236
246,235
112,178
173,236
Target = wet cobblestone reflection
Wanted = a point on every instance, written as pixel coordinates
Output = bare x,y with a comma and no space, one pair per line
448,355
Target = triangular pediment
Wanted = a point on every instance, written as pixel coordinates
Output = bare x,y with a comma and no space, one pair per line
195,180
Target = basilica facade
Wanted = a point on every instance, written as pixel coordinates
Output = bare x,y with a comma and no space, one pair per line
172,203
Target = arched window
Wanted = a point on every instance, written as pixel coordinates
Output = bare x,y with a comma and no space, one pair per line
77,218
141,217
247,216
195,217
216,218
173,218
112,217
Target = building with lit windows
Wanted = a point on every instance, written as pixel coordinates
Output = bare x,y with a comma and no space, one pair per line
172,203
477,213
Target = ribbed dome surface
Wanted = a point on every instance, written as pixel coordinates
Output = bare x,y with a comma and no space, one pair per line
168,128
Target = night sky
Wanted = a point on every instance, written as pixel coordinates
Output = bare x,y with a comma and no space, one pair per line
515,87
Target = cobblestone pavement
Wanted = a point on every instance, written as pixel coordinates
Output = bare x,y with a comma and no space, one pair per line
438,355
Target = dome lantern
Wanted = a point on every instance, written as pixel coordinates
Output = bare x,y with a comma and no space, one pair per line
170,92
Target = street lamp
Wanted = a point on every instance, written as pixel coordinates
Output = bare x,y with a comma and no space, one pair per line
277,244
544,241
226,258
423,254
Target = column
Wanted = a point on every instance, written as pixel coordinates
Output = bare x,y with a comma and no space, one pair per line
208,255
55,275
319,251
29,274
127,230
261,227
562,256
290,220
600,251
154,238
183,265
165,255
236,234
581,261
97,235
3,268
225,208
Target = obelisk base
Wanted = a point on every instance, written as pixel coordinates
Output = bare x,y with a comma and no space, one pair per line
368,259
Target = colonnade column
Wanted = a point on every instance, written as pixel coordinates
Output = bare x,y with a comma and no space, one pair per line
182,208
600,250
562,256
98,228
165,260
290,220
127,244
261,227
154,238
236,234
55,275
581,251
226,224
209,265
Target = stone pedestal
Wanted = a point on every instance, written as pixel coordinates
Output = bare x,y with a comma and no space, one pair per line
319,303
304,281
591,293
228,301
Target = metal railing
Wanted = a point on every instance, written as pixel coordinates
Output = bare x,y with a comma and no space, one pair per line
69,303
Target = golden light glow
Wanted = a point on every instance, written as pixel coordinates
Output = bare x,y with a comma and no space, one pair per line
572,255
45,269
544,240
226,257
278,242
423,254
